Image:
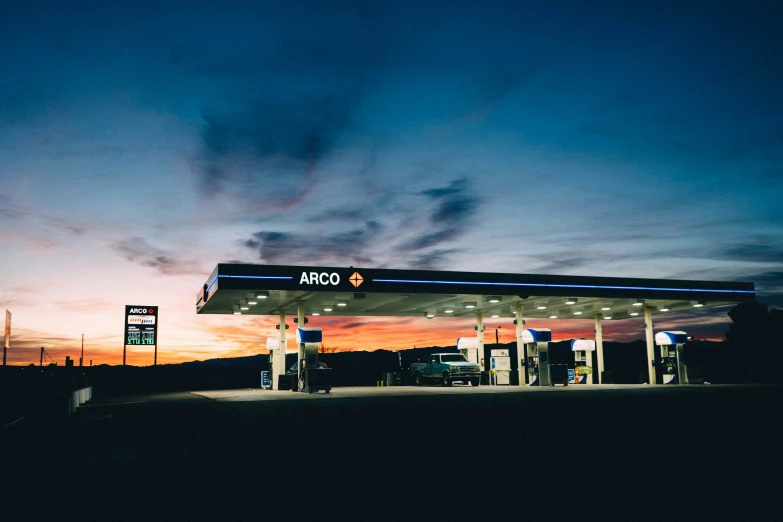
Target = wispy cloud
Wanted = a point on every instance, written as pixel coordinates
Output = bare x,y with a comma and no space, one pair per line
138,250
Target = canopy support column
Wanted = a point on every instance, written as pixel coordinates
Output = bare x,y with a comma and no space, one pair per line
300,355
599,348
280,363
520,322
480,335
649,336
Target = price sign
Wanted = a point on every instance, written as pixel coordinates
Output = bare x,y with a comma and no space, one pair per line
141,325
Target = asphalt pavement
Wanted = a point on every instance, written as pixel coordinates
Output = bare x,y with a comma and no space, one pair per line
402,453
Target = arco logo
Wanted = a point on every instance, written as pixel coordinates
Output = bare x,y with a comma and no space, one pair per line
322,278
356,279
141,311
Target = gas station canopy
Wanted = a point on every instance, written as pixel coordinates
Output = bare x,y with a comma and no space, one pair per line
271,289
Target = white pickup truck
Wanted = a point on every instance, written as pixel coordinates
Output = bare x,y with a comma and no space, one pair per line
446,368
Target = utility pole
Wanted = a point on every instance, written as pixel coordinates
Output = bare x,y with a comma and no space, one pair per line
42,352
81,359
496,334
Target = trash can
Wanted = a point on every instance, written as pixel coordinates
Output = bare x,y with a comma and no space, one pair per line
283,382
558,374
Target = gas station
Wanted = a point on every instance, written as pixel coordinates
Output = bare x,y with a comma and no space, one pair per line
279,290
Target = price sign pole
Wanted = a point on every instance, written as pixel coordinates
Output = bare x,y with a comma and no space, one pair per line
7,336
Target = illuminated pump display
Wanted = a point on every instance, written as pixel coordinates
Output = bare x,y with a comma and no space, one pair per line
672,358
583,360
273,345
536,341
312,375
469,347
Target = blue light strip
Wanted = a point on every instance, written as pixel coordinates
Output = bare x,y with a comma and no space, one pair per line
601,287
209,287
245,277
256,277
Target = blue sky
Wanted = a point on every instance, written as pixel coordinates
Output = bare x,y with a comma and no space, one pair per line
142,143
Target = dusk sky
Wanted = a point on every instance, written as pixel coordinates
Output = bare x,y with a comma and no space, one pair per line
143,143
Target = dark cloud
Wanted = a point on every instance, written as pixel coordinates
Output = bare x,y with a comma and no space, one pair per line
301,130
268,151
763,250
340,214
769,287
456,187
455,205
433,259
137,250
565,264
285,248
355,324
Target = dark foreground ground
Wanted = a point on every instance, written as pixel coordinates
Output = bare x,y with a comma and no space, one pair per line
698,453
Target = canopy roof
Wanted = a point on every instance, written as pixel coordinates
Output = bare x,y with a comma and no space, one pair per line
269,289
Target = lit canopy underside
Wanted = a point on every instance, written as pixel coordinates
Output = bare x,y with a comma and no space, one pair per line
233,288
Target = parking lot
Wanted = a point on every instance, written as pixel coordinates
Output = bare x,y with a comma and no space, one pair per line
402,453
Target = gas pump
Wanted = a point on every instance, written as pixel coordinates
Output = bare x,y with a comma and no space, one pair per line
672,361
536,342
469,347
311,378
500,365
273,345
583,360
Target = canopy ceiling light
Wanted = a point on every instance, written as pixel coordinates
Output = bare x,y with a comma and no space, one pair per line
577,313
699,304
494,299
540,307
342,303
553,317
634,313
262,295
470,304
604,309
638,302
607,318
494,316
252,303
571,300
448,311
429,315
665,309
328,308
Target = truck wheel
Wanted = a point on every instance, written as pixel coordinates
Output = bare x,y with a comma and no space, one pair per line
446,380
417,379
474,382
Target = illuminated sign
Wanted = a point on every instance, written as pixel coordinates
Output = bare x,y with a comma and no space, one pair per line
356,279
141,319
323,278
141,325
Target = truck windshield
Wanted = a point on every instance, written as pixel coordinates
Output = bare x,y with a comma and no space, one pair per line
453,358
